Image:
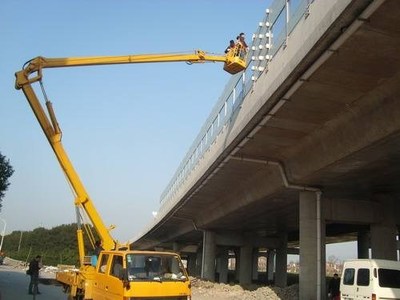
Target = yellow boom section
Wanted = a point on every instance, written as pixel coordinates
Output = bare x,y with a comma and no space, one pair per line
53,135
233,63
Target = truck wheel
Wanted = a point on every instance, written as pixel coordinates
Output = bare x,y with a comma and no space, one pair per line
75,298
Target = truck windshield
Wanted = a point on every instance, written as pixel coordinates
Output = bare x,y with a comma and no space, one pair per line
389,278
157,267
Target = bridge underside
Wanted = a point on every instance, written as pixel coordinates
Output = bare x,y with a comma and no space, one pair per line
338,132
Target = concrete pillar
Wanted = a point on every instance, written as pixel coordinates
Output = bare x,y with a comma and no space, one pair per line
208,265
363,244
217,267
383,242
176,247
191,264
383,235
222,265
199,261
237,265
254,275
312,247
245,264
281,262
270,265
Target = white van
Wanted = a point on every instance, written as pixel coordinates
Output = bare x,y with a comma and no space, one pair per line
370,279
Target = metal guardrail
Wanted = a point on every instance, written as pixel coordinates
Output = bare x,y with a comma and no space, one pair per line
272,34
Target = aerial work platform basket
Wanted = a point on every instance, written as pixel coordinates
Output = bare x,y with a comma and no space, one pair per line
235,60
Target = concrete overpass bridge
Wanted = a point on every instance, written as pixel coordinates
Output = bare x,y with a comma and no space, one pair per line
300,150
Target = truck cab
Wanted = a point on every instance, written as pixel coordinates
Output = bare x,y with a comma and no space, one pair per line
138,275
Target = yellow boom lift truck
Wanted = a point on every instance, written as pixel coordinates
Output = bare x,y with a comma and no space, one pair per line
120,272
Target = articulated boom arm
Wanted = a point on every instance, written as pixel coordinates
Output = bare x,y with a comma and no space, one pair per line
233,62
32,72
53,133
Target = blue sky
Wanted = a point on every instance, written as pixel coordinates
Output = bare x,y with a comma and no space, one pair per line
126,127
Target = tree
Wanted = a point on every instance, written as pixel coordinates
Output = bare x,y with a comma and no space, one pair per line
6,170
57,245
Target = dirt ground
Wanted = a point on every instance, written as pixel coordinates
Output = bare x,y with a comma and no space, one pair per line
204,290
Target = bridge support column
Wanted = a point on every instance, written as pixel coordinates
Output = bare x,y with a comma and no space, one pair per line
281,262
176,247
270,265
199,261
312,248
363,244
254,275
383,235
222,265
245,262
191,264
208,265
237,265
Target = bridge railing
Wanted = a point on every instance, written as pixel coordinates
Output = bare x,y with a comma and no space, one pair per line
272,34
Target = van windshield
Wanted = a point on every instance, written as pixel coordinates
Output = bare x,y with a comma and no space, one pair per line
159,267
389,278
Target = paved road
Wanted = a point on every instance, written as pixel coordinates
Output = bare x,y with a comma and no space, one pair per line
14,286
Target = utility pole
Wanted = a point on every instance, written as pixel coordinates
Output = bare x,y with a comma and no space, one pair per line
3,233
20,240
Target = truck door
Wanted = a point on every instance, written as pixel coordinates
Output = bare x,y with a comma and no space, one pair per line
100,279
347,286
114,286
364,284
